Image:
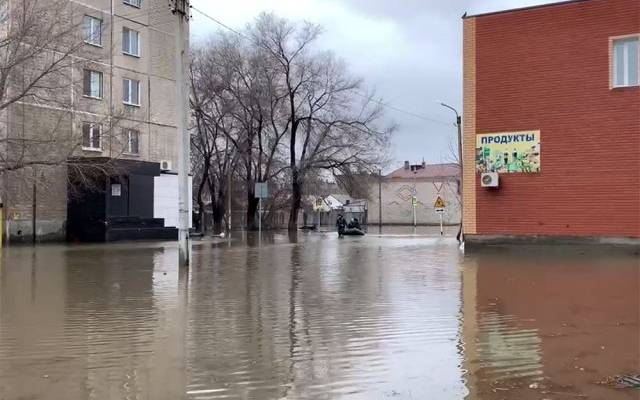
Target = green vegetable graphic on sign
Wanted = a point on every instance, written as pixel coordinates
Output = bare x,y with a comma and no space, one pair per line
510,152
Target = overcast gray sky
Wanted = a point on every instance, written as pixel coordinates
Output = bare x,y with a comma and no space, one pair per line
409,51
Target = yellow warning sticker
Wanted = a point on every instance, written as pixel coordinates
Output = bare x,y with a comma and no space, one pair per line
439,203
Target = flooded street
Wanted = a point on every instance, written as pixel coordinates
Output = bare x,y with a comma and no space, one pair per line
317,317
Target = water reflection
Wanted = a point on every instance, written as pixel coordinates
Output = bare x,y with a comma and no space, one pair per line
315,317
550,323
325,318
86,323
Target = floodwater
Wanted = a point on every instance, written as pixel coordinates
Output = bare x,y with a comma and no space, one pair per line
316,317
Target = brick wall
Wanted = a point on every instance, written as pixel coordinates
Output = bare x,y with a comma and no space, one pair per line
548,69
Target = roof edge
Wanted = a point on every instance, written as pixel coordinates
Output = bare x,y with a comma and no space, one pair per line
559,3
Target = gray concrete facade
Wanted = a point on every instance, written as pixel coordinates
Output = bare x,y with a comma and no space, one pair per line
154,117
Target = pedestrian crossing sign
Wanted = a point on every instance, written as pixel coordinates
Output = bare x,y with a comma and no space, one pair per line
439,203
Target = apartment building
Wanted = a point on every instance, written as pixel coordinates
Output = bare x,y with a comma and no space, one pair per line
120,105
552,123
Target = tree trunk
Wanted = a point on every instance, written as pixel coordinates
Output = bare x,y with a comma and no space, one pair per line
201,210
252,202
218,216
220,210
252,209
201,216
296,201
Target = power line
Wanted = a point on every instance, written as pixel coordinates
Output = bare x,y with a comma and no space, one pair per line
383,104
222,24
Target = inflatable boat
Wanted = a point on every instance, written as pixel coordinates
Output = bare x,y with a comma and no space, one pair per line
353,232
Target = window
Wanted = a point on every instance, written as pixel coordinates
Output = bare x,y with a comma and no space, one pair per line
92,86
132,145
116,189
91,136
135,3
626,62
131,92
130,42
92,30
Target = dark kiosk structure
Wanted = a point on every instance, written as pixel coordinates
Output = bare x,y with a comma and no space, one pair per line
117,205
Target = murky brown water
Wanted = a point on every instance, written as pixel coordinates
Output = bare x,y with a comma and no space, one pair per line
358,318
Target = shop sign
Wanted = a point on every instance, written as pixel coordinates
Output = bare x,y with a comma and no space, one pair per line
508,152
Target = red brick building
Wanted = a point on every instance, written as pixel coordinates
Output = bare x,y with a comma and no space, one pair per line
565,77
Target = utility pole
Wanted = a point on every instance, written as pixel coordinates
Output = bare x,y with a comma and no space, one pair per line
34,209
229,199
380,201
460,164
180,8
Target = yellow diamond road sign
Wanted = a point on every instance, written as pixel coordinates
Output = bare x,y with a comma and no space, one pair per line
439,203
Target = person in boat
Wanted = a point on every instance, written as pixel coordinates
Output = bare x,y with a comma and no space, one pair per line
341,224
354,224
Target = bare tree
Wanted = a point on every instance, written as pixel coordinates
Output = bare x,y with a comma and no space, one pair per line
214,156
357,183
234,95
330,124
291,113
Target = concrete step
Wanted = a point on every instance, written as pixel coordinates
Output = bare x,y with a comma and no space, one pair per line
135,222
141,233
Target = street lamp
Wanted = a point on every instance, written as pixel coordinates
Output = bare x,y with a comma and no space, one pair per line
460,235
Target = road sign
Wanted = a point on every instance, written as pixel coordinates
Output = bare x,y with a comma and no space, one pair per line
262,190
439,206
414,201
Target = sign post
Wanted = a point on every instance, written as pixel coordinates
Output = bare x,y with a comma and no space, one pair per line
261,192
439,206
414,203
260,215
319,204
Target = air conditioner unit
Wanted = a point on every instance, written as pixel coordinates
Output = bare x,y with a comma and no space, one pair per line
165,165
490,179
